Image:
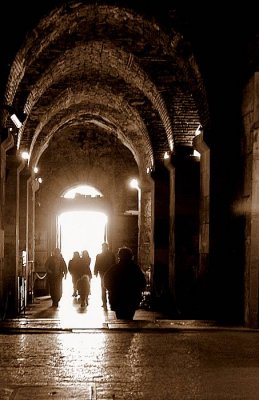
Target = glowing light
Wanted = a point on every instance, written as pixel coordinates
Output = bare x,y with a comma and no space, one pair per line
16,121
83,190
166,155
196,153
25,155
134,183
82,230
36,169
198,130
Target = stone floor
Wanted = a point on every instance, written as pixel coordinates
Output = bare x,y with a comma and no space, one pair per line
40,315
75,353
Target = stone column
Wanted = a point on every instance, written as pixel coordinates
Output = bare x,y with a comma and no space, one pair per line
161,212
252,311
145,237
204,243
185,223
248,207
24,177
252,274
32,187
7,142
171,262
11,229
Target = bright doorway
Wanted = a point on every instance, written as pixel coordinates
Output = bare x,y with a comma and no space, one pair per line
81,230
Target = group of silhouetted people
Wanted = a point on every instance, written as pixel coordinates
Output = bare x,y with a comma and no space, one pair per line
79,269
122,279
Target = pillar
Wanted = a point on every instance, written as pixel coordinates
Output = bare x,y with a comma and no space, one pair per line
162,297
32,187
7,142
185,221
145,227
248,206
204,244
11,232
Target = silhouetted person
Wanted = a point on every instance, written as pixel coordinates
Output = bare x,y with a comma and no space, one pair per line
56,269
86,263
103,263
85,276
74,266
125,283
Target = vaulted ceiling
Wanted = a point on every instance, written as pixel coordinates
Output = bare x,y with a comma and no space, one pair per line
116,68
108,68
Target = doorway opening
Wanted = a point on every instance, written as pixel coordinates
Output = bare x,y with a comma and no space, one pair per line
81,230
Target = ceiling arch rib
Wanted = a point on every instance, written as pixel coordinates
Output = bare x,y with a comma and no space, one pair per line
106,58
129,126
87,120
88,20
141,39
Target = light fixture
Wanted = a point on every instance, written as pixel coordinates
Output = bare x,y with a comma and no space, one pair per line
198,130
36,170
196,153
134,184
25,155
17,118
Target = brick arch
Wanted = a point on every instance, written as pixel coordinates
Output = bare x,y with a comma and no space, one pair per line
101,18
64,21
106,167
107,59
96,102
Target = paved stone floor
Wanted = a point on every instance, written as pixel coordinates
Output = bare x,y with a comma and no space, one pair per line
74,353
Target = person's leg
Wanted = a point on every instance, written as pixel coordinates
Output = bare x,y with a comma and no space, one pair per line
82,292
74,281
57,291
52,291
104,299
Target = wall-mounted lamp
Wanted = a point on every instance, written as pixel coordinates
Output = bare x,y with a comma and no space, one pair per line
25,155
134,183
17,118
198,130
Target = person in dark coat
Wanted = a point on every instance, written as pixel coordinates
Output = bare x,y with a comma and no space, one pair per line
86,261
74,266
85,276
103,262
125,283
56,269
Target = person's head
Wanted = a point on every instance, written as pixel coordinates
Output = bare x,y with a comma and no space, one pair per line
76,254
125,254
85,254
105,247
56,252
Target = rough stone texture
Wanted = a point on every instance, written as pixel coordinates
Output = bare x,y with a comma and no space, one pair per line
130,366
